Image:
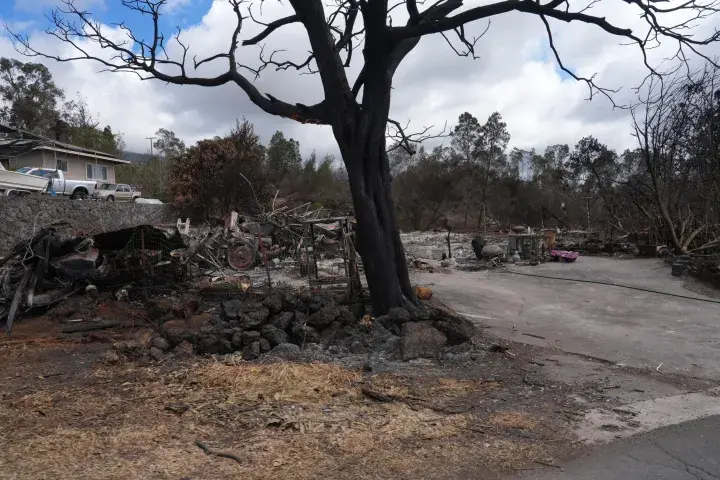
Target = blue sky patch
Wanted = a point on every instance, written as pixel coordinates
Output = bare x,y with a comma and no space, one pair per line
28,15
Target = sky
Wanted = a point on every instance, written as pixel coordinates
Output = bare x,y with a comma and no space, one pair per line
515,75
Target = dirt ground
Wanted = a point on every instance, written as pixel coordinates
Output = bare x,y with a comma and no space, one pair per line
488,410
66,414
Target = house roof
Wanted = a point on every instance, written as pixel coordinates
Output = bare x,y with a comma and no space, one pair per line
27,141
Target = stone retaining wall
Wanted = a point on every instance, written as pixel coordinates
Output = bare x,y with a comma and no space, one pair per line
19,215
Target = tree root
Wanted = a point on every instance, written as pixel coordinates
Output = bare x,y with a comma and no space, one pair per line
210,451
413,403
377,396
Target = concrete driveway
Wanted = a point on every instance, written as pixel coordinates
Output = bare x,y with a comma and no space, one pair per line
617,324
686,451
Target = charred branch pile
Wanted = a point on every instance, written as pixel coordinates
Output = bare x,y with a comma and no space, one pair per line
43,271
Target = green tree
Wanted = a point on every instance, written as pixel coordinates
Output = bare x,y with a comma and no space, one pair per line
465,137
426,187
30,95
168,144
310,164
283,156
79,127
492,161
211,178
465,141
152,176
481,153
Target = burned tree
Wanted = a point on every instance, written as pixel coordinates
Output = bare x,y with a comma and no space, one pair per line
357,111
676,125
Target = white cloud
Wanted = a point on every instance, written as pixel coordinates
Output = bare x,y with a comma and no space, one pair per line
172,6
432,86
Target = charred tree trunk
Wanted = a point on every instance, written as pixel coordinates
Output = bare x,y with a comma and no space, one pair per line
378,237
363,147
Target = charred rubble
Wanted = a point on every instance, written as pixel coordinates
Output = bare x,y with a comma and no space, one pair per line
285,323
192,291
52,266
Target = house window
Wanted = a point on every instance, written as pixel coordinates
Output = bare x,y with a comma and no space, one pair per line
96,172
62,165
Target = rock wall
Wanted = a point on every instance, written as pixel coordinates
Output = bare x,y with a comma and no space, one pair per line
18,215
286,322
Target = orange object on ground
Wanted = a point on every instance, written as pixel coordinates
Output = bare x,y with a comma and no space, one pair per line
423,293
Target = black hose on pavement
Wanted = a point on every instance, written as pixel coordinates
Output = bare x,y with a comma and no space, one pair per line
708,300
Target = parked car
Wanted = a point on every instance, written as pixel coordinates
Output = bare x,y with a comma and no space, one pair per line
116,192
20,183
59,185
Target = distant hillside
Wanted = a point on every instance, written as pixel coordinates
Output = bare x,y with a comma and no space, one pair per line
136,158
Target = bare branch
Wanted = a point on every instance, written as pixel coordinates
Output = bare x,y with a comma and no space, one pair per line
406,141
148,59
284,65
412,9
437,19
271,27
589,81
359,81
506,6
469,45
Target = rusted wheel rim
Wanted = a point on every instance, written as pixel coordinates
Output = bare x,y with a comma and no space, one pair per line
241,257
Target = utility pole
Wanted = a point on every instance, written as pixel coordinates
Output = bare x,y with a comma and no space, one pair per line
151,144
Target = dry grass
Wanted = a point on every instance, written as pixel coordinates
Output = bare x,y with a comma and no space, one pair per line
285,420
509,419
282,382
432,388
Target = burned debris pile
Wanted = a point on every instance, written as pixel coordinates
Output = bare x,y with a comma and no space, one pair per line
702,263
278,247
198,291
52,266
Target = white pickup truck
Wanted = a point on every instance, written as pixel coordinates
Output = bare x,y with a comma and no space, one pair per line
19,183
59,185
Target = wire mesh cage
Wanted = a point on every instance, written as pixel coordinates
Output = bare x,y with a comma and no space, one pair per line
328,254
145,254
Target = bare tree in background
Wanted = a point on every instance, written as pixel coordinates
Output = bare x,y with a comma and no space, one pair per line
357,110
678,130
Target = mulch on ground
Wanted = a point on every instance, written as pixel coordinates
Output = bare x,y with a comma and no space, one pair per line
66,414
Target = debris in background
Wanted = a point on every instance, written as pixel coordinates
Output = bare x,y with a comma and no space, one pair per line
183,227
563,255
489,251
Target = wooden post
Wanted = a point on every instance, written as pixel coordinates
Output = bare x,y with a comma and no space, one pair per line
267,268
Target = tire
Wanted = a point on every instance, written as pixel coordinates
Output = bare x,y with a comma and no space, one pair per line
111,199
78,195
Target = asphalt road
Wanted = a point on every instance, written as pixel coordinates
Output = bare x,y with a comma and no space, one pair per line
687,451
620,325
